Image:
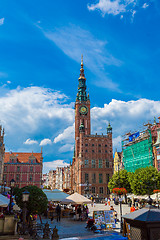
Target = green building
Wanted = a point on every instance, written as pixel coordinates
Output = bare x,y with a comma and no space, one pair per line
137,150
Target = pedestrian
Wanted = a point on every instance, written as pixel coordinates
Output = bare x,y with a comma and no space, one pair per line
58,211
132,209
52,219
87,211
79,212
111,208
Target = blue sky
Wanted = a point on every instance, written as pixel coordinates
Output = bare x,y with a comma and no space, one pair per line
41,43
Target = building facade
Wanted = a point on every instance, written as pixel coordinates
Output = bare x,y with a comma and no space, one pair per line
52,179
138,150
2,152
66,178
141,149
117,161
45,180
24,168
59,178
92,164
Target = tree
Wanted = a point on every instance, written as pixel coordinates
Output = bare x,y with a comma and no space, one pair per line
145,180
121,180
37,199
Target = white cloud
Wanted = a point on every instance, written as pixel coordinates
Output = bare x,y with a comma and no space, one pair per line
66,148
67,134
74,41
124,116
117,7
145,5
113,7
53,164
30,142
9,82
117,141
31,107
1,21
45,141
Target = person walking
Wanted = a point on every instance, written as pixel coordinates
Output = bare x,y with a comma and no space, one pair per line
58,212
79,212
132,209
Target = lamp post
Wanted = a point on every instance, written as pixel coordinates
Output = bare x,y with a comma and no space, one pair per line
12,184
120,192
25,199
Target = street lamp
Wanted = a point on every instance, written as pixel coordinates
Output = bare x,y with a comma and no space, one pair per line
120,192
25,199
12,184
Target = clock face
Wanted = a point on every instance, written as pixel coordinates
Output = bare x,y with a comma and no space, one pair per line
83,109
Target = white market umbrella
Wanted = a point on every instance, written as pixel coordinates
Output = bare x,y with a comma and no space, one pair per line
55,195
4,201
76,198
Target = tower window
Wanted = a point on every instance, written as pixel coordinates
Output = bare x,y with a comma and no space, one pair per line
86,162
31,169
30,177
86,177
92,145
106,151
86,144
107,163
86,150
105,145
107,178
100,163
18,169
92,150
93,189
100,178
93,163
5,177
5,168
93,178
99,151
17,177
99,145
101,190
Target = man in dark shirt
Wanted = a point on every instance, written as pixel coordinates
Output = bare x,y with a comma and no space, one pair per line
58,211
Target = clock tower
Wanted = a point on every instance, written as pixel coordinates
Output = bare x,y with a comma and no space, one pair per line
92,164
82,110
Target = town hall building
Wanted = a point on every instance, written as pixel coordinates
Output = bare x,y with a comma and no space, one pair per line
92,164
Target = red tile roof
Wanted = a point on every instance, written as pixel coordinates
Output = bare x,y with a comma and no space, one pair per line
22,157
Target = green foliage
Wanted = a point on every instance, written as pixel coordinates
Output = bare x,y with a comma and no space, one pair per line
37,199
120,180
145,180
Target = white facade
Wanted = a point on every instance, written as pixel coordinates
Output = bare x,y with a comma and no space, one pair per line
45,179
59,178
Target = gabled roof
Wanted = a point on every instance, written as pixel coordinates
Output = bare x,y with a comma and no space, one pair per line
22,157
146,214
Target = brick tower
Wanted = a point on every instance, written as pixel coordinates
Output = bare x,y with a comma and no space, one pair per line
92,164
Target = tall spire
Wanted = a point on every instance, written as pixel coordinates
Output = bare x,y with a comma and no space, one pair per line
82,95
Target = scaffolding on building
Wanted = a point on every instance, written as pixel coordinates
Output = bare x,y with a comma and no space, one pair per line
137,150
